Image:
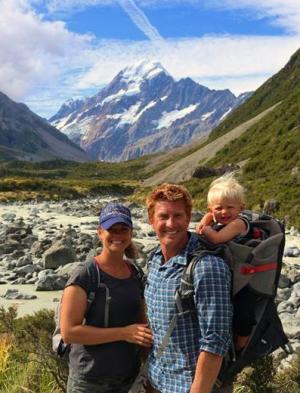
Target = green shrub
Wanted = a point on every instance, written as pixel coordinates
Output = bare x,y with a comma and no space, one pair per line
30,365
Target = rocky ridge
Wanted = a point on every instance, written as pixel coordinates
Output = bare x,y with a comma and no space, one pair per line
26,136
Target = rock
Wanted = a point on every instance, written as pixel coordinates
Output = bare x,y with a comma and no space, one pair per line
294,231
292,252
45,273
203,171
284,282
270,206
39,247
50,283
67,269
9,246
283,294
295,172
58,254
23,270
285,307
8,216
196,216
32,280
293,275
296,289
24,260
29,240
15,294
19,281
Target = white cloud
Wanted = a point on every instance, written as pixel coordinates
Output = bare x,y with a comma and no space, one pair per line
240,63
31,49
57,6
284,13
140,19
43,63
131,8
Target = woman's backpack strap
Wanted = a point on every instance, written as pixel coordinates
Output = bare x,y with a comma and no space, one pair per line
94,274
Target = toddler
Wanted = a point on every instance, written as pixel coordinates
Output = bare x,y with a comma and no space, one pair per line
223,223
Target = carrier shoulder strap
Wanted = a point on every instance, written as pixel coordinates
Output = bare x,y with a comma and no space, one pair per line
184,294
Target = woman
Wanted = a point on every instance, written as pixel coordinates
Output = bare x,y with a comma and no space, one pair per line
106,359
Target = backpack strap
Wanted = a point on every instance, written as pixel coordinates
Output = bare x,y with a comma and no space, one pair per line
140,275
94,274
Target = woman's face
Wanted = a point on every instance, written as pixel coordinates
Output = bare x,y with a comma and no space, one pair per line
117,238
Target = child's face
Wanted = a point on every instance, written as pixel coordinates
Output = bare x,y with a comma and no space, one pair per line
226,210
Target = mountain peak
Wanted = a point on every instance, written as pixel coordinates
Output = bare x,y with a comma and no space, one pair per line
142,70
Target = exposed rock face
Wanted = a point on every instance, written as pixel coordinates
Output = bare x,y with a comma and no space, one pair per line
143,110
204,171
26,136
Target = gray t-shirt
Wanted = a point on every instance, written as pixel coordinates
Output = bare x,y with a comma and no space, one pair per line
116,359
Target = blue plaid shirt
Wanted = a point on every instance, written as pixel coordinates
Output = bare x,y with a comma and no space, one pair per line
206,330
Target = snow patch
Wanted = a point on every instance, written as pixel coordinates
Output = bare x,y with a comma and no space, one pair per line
112,97
132,114
207,115
225,114
168,118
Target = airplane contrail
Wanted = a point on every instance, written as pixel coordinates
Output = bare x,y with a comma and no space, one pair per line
140,19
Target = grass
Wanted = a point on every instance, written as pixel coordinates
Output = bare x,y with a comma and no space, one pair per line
28,365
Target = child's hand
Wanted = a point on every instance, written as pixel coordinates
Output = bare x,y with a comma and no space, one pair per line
206,220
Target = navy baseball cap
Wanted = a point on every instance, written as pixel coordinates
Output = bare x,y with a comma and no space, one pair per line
114,213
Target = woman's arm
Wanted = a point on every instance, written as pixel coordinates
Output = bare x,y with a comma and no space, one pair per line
230,231
73,308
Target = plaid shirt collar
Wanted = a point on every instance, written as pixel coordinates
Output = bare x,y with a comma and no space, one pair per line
182,257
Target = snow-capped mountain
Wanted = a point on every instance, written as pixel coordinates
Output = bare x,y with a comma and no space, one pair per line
143,110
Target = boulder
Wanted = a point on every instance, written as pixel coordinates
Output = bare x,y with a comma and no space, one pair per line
15,294
67,269
50,282
58,254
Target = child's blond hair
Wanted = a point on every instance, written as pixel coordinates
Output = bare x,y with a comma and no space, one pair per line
226,187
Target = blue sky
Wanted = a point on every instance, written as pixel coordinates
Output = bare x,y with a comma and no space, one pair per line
53,50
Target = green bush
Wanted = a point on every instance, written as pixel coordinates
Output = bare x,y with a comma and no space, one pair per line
30,365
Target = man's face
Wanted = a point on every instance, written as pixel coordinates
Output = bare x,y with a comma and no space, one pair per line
170,223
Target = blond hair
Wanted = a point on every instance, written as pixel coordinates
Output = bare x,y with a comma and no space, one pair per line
169,192
226,187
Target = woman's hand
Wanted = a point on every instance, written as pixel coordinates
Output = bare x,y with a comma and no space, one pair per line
138,334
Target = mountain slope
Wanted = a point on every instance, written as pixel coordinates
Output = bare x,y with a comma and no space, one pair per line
26,136
269,149
143,110
275,89
183,169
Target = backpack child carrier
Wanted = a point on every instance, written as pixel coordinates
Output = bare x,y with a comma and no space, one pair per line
255,264
59,347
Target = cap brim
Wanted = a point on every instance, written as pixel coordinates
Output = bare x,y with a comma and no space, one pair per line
115,220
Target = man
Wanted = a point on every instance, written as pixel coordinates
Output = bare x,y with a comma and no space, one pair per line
192,357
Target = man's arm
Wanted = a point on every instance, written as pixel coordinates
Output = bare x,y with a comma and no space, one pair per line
214,309
207,370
